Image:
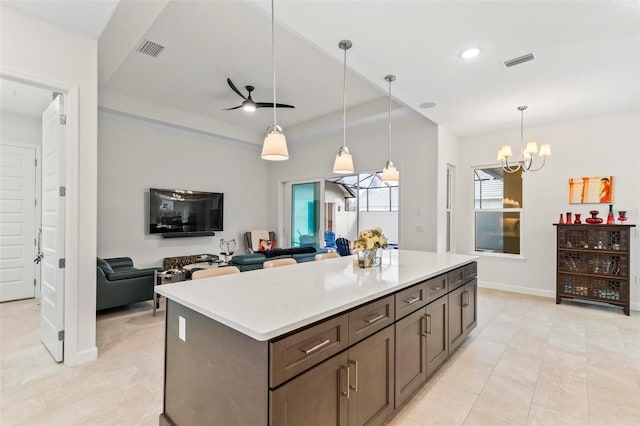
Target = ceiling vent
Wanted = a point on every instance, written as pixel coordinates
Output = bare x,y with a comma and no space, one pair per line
519,60
150,48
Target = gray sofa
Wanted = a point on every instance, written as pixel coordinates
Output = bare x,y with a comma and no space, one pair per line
119,283
249,262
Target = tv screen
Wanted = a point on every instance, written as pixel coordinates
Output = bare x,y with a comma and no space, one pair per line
178,210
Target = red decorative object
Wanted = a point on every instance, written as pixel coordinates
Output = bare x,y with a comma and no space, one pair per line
561,221
569,220
610,217
622,215
593,220
577,221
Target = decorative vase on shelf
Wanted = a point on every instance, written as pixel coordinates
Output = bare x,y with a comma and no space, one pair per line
594,219
610,217
569,221
369,258
577,221
561,221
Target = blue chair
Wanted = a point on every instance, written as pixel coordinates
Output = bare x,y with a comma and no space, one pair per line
329,239
342,244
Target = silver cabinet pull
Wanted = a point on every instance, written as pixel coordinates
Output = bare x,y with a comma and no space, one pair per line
355,365
325,342
465,299
428,318
423,326
436,288
375,318
412,300
343,393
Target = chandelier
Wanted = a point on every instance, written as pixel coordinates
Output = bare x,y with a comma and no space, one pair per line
528,154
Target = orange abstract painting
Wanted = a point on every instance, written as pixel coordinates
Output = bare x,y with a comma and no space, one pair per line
594,189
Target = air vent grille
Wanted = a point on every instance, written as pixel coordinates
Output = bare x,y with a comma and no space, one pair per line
150,48
519,60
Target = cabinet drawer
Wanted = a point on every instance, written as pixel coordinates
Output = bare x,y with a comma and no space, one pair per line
370,318
410,299
436,287
455,278
304,349
470,271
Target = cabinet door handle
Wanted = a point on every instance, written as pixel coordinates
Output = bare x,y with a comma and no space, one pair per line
343,393
465,299
428,318
325,342
423,326
436,288
355,365
412,300
375,318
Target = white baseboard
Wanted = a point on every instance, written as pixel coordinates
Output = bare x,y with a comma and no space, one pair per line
81,357
517,289
634,306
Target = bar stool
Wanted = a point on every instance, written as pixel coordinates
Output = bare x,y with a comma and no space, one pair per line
279,262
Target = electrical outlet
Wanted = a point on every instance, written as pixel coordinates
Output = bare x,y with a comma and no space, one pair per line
182,328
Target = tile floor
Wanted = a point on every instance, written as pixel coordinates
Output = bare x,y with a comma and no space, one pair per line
529,362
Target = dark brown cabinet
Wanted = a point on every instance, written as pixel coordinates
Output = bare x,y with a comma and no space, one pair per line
352,388
411,356
462,307
436,334
593,263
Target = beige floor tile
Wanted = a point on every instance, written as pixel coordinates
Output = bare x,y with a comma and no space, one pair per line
529,361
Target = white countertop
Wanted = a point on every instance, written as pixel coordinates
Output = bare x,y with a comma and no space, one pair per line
267,303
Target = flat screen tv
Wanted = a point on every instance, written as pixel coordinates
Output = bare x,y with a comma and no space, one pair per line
179,212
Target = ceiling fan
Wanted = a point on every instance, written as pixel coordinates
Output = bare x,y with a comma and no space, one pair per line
249,104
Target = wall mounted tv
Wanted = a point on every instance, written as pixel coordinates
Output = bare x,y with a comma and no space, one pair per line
184,213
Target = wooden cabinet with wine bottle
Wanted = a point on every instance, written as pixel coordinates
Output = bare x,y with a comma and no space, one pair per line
593,263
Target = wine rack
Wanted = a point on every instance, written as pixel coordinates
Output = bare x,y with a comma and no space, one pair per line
592,263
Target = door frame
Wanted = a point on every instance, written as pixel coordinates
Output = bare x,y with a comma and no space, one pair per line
284,207
71,156
38,207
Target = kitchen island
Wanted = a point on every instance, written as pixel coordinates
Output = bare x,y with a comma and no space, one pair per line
313,343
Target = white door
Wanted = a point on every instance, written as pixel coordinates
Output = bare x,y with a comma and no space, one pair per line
52,302
17,222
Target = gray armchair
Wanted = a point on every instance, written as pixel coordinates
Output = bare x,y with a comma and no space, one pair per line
119,283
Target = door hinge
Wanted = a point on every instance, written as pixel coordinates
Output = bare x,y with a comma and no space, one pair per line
34,282
61,263
35,202
61,335
63,119
63,191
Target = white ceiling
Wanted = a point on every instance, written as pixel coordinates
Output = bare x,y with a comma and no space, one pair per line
23,99
588,58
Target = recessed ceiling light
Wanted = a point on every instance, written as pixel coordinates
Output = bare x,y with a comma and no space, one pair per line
470,53
426,105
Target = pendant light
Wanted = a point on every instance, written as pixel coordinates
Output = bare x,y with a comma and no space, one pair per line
390,173
344,163
274,147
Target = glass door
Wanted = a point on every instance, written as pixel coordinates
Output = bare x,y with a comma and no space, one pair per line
306,214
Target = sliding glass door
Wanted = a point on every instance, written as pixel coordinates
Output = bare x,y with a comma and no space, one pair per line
306,201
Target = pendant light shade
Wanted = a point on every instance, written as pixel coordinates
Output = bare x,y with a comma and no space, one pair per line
274,147
343,165
390,173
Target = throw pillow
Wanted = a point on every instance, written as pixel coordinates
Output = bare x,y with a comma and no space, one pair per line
266,245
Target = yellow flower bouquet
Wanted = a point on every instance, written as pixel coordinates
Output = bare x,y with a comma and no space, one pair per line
367,244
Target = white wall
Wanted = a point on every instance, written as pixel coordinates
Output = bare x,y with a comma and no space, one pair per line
387,221
36,51
20,128
448,154
413,152
134,158
595,146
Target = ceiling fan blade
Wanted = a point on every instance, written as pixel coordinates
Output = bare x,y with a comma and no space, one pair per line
229,109
270,105
235,89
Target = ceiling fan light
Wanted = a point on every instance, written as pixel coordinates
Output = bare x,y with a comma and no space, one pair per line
249,106
343,165
390,173
274,147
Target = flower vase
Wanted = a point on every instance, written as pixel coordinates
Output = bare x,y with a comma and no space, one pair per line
577,220
369,258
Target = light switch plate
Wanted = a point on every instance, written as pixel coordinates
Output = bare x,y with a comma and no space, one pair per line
182,328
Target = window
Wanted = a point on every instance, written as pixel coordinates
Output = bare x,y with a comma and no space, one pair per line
498,210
